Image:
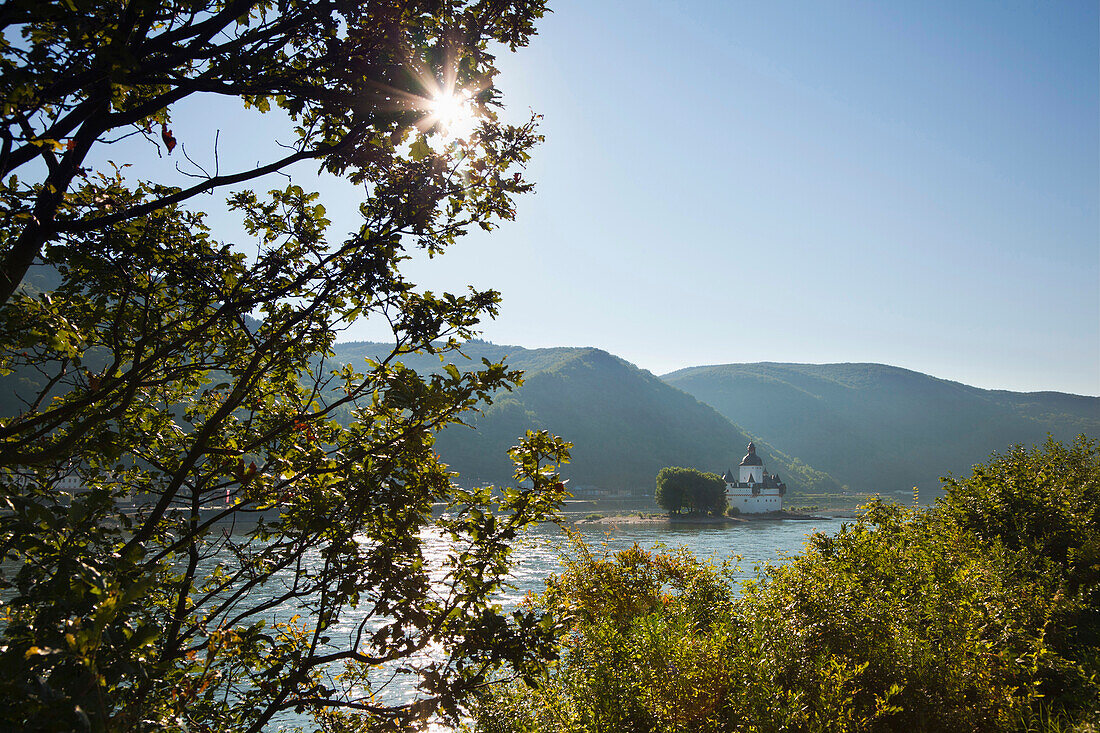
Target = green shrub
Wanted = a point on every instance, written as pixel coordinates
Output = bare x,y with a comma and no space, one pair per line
979,614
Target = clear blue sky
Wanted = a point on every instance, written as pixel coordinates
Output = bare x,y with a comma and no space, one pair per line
909,183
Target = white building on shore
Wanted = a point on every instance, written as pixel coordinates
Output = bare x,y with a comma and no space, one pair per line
754,491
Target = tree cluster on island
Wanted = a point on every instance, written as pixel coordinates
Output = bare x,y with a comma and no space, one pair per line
687,489
227,523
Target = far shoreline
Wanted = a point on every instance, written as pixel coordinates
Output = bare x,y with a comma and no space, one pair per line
709,520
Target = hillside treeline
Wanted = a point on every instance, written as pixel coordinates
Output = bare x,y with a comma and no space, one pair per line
625,424
878,428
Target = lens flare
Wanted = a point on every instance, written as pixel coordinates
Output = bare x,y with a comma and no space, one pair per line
454,113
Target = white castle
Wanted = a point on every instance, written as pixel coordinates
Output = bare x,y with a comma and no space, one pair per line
755,491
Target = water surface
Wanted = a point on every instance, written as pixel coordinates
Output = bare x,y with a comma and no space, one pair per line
757,543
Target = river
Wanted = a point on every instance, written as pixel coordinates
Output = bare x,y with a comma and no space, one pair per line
756,542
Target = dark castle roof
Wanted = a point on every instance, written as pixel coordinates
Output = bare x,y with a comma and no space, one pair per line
751,459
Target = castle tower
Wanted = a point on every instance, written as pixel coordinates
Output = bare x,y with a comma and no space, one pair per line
752,468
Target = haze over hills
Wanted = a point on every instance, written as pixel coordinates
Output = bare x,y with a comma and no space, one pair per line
869,427
625,423
882,428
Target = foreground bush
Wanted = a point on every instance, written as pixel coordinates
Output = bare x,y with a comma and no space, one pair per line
978,614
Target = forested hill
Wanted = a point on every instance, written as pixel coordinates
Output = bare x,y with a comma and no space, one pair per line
626,424
881,428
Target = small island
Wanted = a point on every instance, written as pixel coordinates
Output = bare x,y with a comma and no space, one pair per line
694,497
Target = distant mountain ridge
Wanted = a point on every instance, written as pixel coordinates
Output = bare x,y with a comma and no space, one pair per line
869,427
625,423
876,427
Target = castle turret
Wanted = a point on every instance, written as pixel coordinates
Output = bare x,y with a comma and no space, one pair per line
752,468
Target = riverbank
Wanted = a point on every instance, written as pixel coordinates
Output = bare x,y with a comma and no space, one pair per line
704,519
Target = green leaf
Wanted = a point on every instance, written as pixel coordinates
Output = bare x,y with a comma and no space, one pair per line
420,149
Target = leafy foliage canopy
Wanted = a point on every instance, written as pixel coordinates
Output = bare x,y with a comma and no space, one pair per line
232,553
